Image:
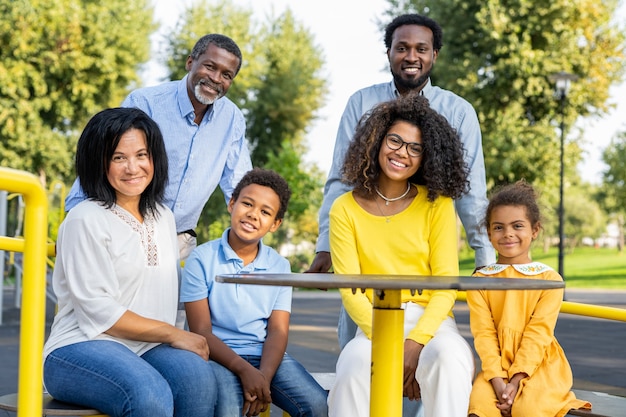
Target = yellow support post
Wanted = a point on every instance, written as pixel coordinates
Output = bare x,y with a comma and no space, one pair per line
387,354
33,312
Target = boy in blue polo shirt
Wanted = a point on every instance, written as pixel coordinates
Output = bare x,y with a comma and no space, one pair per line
247,326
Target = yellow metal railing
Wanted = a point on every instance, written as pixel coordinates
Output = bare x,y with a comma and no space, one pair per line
18,244
33,312
602,312
580,309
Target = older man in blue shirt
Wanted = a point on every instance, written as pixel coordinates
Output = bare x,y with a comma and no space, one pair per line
204,133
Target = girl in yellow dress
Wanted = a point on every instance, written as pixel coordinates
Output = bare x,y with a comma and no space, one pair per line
524,369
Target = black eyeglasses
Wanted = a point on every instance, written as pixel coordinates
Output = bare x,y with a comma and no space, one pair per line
412,148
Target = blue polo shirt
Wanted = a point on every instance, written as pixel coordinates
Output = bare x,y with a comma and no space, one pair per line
239,312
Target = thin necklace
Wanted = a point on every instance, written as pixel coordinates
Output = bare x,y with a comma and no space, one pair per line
391,200
387,218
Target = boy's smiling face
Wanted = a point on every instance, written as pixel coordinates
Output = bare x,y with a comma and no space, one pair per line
253,215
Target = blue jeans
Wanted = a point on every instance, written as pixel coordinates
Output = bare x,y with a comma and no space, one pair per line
293,389
107,376
346,329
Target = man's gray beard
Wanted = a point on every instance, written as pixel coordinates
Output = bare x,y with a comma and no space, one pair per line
403,83
202,98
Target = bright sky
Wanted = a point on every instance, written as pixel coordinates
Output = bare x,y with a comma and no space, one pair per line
355,58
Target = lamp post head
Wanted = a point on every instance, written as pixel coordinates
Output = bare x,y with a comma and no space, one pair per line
562,81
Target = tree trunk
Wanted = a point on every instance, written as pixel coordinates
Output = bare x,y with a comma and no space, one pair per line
620,228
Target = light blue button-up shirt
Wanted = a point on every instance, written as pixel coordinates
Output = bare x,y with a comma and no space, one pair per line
462,117
200,157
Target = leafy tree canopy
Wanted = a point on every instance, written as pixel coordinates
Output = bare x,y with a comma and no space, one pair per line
499,55
61,62
615,174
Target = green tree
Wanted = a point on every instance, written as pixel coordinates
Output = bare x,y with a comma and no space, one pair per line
613,193
615,174
60,62
499,54
306,195
583,217
279,89
290,89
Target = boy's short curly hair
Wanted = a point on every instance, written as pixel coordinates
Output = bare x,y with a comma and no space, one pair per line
267,178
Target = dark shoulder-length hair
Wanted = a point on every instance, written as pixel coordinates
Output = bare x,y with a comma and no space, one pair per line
442,169
96,146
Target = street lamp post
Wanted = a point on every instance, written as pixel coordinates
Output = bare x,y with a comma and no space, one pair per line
562,81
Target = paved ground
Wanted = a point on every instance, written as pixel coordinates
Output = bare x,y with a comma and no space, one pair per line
594,347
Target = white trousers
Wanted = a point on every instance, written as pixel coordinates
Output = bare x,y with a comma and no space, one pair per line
445,372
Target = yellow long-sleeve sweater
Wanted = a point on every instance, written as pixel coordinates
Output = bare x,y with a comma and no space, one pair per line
514,332
421,240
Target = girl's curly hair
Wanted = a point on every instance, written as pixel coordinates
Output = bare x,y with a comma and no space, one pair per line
442,169
521,194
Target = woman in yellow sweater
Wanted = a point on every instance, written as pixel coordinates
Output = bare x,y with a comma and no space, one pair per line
406,166
524,369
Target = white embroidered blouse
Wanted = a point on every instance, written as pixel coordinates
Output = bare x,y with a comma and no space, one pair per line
107,263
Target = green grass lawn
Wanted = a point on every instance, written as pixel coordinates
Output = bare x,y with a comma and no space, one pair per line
583,268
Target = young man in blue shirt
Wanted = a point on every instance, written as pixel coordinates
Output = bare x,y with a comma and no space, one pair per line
247,326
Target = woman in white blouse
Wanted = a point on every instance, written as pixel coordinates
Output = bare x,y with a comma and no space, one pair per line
113,345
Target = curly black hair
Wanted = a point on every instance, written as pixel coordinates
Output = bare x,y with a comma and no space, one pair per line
520,194
418,20
442,169
267,178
